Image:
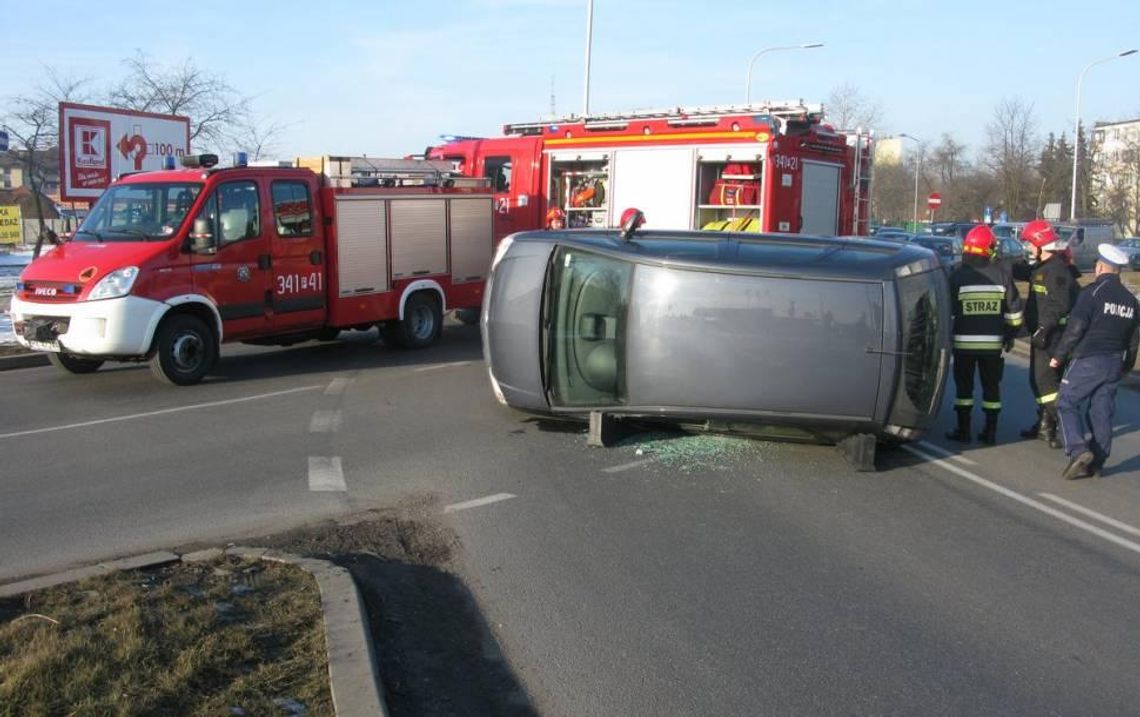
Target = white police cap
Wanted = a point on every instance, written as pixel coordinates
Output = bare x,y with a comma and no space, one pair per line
1111,254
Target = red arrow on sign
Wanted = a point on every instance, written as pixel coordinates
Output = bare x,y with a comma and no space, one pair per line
934,200
135,143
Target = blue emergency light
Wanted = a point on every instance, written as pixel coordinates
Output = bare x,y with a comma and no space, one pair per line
168,162
241,159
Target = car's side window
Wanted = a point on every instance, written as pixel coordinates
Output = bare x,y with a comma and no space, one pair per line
239,212
293,209
588,302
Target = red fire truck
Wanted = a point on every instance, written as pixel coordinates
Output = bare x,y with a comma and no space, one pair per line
772,167
169,264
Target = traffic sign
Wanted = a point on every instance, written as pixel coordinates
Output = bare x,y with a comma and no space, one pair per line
934,200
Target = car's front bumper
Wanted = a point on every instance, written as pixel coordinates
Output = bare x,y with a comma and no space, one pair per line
111,327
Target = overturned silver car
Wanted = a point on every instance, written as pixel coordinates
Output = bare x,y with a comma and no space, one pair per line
794,337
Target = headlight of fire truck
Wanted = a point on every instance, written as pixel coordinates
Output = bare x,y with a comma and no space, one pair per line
117,283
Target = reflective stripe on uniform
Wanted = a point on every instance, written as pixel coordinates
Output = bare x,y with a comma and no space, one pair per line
978,343
963,402
982,288
1064,320
1014,319
991,405
1040,289
1047,398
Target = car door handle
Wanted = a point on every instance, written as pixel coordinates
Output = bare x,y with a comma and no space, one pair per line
264,261
316,257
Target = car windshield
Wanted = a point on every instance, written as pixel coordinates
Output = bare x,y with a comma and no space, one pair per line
138,212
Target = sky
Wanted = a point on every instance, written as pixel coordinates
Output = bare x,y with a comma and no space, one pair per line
387,77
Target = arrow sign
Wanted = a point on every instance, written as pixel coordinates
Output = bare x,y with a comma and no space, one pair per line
136,143
934,200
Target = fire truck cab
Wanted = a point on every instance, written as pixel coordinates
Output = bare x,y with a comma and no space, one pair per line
772,167
170,264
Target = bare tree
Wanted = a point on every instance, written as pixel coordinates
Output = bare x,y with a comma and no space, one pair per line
1011,154
948,159
848,108
32,121
213,106
257,137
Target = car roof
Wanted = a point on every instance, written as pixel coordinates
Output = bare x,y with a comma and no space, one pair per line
793,255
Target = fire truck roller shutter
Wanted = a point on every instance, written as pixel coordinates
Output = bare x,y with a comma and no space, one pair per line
471,238
362,246
657,181
419,237
819,201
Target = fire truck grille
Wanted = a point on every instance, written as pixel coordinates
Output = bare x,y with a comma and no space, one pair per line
43,328
48,291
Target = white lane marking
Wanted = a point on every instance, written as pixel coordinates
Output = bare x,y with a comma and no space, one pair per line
1125,527
1035,504
627,466
326,474
947,454
337,386
325,422
437,366
478,502
164,411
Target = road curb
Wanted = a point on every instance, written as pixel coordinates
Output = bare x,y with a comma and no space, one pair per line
354,674
27,360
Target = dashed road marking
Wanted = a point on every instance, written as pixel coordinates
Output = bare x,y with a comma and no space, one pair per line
325,422
1125,527
627,466
1027,501
162,412
437,366
947,454
326,474
478,502
336,386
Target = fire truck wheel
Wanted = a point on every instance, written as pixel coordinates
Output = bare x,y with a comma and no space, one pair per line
185,349
74,364
420,326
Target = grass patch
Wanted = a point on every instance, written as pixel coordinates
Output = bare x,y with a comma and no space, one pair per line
227,637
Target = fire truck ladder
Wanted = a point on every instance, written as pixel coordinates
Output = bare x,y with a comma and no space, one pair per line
383,172
678,116
861,140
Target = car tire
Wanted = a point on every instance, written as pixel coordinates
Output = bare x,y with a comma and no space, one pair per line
421,325
467,317
74,364
185,350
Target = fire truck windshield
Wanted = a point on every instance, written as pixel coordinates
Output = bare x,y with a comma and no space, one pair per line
138,212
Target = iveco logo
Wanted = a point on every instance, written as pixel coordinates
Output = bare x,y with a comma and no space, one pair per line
44,291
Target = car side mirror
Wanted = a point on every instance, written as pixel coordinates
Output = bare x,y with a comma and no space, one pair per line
201,240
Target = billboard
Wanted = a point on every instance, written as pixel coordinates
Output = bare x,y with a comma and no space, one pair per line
97,144
10,224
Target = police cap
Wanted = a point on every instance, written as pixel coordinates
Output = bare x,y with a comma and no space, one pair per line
1111,254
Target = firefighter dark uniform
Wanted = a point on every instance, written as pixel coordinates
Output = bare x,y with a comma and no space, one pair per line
986,316
1052,292
1100,341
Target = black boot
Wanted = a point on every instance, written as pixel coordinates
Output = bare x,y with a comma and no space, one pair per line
1048,432
1033,430
962,433
989,431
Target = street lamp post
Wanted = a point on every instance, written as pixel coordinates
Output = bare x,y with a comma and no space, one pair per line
917,171
1077,126
748,82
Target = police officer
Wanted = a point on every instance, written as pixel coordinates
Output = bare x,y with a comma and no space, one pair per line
1052,292
987,315
1101,338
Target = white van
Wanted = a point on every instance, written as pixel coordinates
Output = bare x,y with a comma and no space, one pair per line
1084,236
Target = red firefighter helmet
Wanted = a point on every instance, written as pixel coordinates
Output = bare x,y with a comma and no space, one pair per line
629,214
979,241
555,213
1041,234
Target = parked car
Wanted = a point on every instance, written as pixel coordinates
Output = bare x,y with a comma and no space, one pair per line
1131,247
958,229
1010,251
797,337
947,247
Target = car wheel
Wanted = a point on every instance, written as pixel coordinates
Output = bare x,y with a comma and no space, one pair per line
468,317
185,350
74,364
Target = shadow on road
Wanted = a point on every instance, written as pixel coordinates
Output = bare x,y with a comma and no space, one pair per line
438,655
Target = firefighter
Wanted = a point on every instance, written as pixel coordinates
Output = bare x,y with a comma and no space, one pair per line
555,219
1052,292
986,316
1101,338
